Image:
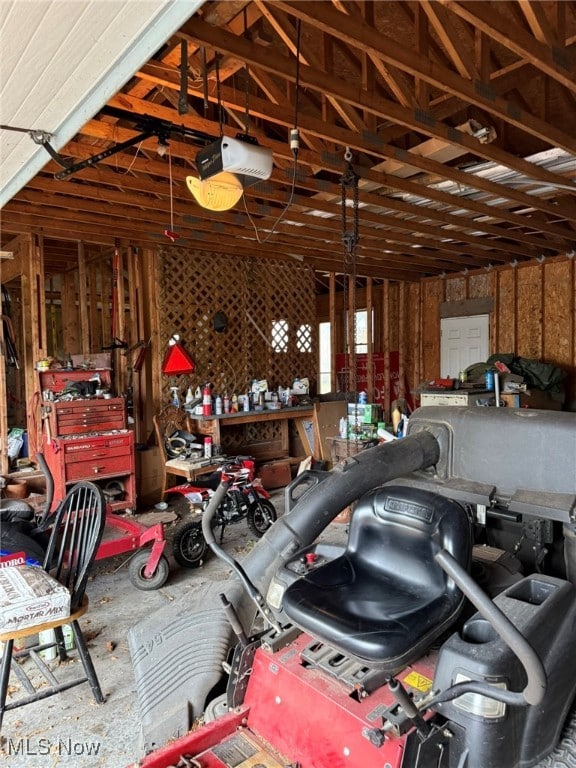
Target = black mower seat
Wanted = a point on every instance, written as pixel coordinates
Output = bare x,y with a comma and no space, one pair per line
385,599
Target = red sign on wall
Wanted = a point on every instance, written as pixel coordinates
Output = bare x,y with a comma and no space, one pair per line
379,384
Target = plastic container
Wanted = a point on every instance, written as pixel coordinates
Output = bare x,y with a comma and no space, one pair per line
218,405
208,447
489,379
48,636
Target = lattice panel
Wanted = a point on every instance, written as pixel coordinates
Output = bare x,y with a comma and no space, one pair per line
254,294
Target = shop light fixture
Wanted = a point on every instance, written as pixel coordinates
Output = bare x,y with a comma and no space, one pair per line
218,193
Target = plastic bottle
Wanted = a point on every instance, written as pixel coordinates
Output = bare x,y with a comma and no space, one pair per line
189,396
246,401
343,428
175,400
208,447
362,398
218,405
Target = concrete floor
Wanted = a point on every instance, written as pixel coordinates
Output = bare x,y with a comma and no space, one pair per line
70,729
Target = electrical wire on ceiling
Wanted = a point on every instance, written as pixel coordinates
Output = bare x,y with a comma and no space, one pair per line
294,146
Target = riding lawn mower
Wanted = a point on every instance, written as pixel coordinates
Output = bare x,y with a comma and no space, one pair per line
440,634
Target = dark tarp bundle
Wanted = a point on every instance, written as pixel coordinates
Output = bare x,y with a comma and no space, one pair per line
536,374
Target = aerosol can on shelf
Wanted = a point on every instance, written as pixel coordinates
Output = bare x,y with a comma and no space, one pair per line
218,405
226,403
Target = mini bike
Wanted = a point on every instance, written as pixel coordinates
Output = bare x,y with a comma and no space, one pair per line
243,500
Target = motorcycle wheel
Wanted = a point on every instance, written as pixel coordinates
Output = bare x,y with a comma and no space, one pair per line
261,515
189,545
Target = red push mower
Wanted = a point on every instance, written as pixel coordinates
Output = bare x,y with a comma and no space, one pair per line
148,568
386,651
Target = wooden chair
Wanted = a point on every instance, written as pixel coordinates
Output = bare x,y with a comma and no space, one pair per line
171,419
77,527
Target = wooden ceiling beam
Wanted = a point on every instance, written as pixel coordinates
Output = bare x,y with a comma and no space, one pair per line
535,15
528,244
397,82
418,120
377,148
365,38
285,30
460,53
553,60
373,226
66,227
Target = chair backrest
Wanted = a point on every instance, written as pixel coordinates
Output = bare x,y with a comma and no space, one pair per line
170,419
78,525
396,531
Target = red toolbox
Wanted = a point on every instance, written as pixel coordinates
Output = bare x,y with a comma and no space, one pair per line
85,436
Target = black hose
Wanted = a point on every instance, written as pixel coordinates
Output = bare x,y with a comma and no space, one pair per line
512,698
221,553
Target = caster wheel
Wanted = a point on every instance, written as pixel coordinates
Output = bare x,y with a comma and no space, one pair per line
136,571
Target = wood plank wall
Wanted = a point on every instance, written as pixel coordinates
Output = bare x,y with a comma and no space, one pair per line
533,316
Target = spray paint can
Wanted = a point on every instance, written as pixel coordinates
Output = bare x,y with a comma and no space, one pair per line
218,405
208,447
226,403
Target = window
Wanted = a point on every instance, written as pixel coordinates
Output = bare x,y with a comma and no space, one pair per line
304,338
361,340
280,336
325,358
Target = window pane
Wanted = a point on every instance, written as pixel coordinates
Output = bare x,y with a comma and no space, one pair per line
304,338
280,336
324,377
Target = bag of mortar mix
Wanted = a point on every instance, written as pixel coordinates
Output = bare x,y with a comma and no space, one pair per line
30,596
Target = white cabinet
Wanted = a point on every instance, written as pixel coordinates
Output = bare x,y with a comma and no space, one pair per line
456,397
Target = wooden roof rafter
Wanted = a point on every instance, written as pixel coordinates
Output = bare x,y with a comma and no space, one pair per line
392,81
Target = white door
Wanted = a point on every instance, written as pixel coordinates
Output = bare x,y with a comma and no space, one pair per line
464,340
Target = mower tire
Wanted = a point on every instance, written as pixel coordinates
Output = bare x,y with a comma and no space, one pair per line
136,571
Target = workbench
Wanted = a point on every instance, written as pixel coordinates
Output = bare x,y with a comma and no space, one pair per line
262,434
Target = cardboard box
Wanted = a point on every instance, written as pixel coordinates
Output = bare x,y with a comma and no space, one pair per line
366,413
30,596
276,474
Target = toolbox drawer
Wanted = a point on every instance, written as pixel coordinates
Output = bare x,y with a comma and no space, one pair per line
79,417
98,456
95,467
98,447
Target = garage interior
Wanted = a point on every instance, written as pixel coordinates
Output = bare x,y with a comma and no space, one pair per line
423,168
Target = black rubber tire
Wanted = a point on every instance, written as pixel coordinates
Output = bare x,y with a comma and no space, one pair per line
261,515
564,754
189,545
136,571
